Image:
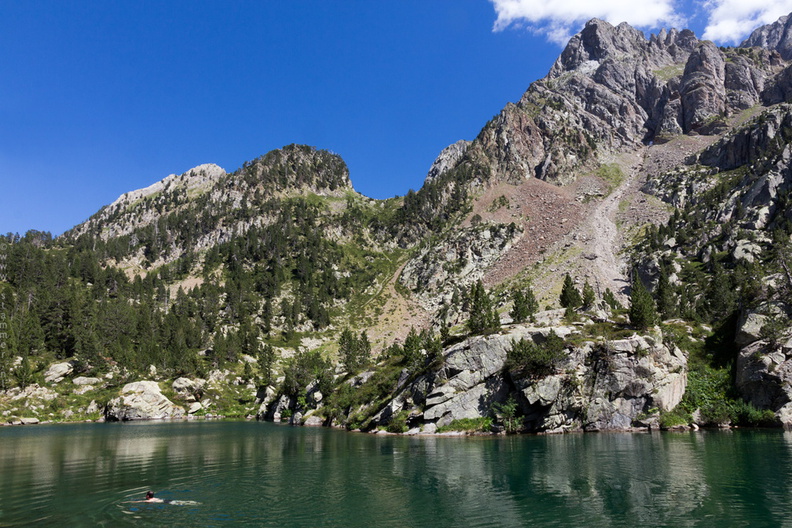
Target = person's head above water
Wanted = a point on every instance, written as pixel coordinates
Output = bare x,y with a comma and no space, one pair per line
149,494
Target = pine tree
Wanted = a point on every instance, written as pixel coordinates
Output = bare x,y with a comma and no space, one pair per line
666,299
364,348
411,351
266,316
610,300
570,296
643,313
348,350
266,359
524,306
721,295
5,369
24,372
483,316
589,298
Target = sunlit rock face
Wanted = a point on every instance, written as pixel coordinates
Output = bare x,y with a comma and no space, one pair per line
142,400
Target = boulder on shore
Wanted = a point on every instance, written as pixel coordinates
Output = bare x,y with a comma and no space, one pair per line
142,400
58,371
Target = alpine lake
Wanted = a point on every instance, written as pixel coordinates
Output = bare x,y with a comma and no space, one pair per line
262,474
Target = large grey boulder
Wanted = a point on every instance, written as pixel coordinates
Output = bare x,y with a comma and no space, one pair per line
57,371
82,380
764,378
142,400
603,387
275,410
749,328
470,380
474,402
188,389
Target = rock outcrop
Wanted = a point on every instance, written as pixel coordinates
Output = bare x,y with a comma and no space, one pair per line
607,386
57,371
763,371
604,386
447,159
776,36
461,259
190,390
764,378
142,400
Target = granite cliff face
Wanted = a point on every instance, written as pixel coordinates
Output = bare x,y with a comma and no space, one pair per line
613,89
615,385
776,36
611,92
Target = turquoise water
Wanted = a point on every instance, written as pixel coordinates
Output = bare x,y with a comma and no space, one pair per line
261,474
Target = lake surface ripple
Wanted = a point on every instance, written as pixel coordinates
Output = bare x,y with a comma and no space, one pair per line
261,474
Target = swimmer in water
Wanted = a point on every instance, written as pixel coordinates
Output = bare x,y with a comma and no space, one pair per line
151,498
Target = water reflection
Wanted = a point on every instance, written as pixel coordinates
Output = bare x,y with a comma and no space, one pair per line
270,475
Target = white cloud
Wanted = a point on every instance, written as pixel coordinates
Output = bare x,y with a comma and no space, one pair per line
731,21
558,19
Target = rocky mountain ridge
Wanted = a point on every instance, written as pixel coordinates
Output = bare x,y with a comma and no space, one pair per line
662,160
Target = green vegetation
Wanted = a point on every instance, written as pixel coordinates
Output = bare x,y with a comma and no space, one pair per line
610,299
643,313
498,203
355,351
398,423
612,174
506,413
524,304
534,360
710,392
362,402
589,298
484,318
570,296
305,368
669,72
468,425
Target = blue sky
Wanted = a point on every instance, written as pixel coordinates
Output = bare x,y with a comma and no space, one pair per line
99,98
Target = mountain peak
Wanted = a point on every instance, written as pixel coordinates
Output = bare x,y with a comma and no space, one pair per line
599,40
776,36
447,159
199,176
297,166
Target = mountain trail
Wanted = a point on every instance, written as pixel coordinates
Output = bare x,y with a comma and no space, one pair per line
602,240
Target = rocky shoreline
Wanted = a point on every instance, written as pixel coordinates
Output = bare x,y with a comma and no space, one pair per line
618,385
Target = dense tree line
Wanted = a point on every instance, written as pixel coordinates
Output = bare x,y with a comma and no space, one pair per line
262,284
